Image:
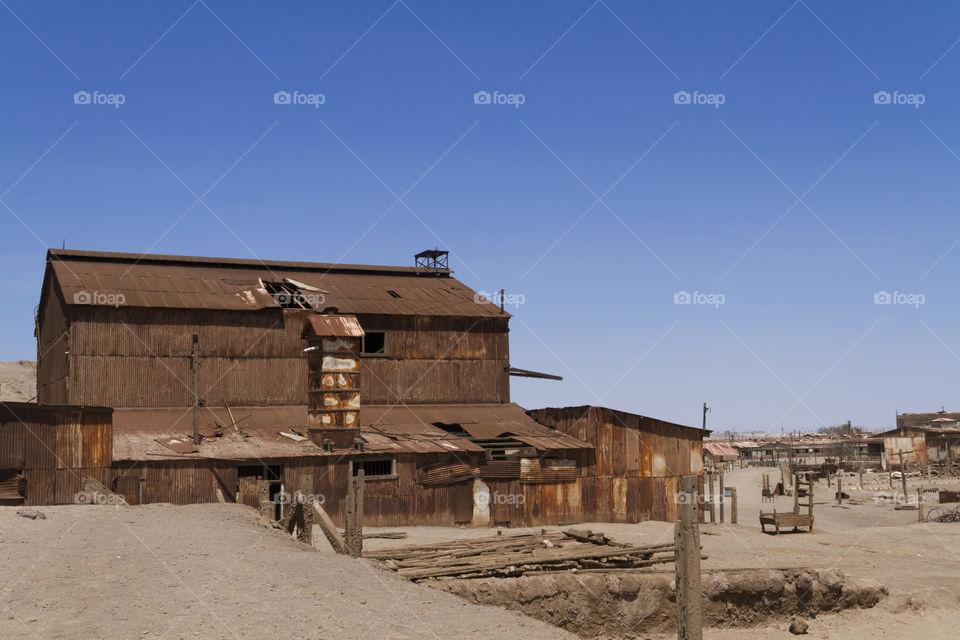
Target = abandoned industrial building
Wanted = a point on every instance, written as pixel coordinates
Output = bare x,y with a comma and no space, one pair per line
190,379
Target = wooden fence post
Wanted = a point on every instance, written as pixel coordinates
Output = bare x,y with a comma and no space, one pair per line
722,497
733,505
919,505
686,535
713,506
353,523
839,490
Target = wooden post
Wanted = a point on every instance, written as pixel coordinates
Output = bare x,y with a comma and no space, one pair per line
329,529
733,505
919,505
903,475
686,535
353,523
722,497
861,476
713,513
839,490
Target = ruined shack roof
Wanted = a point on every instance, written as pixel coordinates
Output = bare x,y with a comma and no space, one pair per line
165,433
422,425
718,449
262,433
189,282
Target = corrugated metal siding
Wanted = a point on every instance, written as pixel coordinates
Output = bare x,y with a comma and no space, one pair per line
55,447
53,344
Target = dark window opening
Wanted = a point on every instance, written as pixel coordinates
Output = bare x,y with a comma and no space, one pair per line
287,295
394,293
453,429
374,342
375,468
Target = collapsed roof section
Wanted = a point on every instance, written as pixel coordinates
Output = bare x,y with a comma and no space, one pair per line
259,433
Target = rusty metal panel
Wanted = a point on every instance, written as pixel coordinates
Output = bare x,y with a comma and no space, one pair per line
69,442
12,443
338,326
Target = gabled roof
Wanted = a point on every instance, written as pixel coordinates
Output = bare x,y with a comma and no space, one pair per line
188,282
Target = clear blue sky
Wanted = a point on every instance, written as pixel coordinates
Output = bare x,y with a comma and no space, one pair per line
797,199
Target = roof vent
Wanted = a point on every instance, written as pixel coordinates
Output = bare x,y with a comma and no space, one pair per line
433,259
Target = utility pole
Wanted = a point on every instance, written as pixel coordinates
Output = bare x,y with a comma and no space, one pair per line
705,410
194,353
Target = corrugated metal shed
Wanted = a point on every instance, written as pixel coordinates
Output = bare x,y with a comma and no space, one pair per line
219,283
719,449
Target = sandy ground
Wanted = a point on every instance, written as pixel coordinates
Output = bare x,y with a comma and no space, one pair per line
211,571
218,571
18,381
918,563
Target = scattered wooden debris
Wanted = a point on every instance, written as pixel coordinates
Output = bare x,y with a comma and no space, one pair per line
523,554
388,535
30,513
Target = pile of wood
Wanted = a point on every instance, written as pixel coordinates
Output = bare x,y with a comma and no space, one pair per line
517,555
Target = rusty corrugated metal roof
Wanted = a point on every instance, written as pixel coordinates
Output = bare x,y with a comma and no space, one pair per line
189,282
480,421
719,449
145,433
148,433
336,325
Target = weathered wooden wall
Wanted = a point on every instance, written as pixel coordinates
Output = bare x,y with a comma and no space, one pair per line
633,473
54,448
437,360
134,357
53,346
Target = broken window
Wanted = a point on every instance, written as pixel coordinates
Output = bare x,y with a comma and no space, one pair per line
374,342
287,294
375,468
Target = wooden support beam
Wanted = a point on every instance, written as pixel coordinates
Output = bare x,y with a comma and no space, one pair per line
329,529
733,505
687,559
